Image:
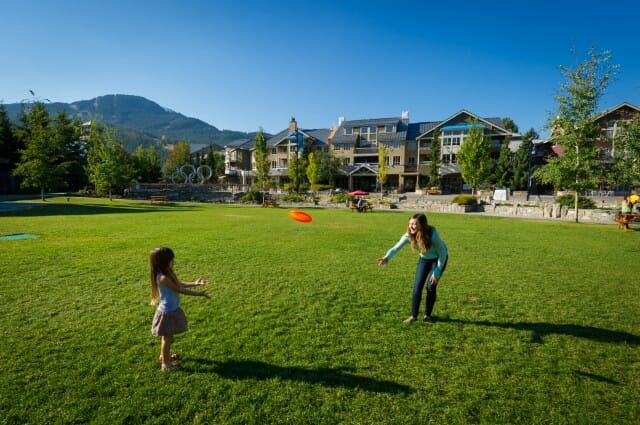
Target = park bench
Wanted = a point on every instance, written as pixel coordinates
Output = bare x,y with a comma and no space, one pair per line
626,219
269,203
159,198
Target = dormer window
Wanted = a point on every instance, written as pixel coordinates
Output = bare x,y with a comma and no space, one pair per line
348,131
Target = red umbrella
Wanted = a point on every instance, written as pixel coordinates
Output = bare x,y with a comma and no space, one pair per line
358,193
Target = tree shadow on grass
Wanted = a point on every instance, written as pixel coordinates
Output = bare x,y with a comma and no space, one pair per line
330,377
44,209
595,377
539,330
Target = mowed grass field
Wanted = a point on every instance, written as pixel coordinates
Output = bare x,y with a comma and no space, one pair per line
538,322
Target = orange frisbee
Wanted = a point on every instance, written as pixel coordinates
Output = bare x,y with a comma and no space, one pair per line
300,216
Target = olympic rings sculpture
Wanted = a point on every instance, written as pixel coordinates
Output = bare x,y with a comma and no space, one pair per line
189,172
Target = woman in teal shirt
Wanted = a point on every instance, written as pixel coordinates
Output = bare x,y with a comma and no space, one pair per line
431,263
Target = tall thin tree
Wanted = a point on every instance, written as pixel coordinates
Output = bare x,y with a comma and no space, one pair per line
474,157
573,127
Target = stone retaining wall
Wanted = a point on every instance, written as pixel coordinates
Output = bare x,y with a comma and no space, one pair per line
535,211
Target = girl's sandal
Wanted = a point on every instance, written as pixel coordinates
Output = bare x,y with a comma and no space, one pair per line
173,357
172,367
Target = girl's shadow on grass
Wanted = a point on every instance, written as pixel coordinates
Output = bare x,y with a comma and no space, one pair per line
540,330
331,377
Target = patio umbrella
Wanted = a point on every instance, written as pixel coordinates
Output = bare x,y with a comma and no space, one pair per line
358,193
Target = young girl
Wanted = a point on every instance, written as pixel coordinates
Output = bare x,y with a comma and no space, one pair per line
432,262
166,288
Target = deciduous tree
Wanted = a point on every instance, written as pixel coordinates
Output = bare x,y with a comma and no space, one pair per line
474,157
382,166
108,163
573,127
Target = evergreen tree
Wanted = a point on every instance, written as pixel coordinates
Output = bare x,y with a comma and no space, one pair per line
509,124
626,156
65,132
42,160
263,165
522,162
9,151
9,147
435,159
215,160
503,173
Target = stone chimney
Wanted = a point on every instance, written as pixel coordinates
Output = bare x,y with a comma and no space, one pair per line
293,125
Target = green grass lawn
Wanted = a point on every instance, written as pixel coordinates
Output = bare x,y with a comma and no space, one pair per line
537,321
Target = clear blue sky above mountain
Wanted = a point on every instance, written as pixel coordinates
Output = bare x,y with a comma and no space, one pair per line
241,65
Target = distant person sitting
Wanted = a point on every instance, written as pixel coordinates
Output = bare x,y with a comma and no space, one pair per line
626,206
362,205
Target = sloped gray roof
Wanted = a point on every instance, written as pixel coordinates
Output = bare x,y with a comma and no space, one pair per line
399,135
370,122
320,136
240,144
418,128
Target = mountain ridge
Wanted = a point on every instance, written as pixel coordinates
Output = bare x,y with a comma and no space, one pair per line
140,121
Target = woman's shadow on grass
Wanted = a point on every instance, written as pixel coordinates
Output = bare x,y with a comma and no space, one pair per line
540,329
330,377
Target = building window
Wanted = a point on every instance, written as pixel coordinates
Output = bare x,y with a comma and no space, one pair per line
397,144
411,160
613,129
449,158
388,128
348,131
446,158
396,160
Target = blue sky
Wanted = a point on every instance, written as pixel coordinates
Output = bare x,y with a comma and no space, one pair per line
242,65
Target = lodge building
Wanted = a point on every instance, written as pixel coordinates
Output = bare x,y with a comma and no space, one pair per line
408,147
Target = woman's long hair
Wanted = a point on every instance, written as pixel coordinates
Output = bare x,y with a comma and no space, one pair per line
160,263
422,237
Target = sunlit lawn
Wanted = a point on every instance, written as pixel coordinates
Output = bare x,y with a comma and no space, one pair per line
538,321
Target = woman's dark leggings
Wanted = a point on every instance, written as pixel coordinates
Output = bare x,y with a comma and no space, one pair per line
423,270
